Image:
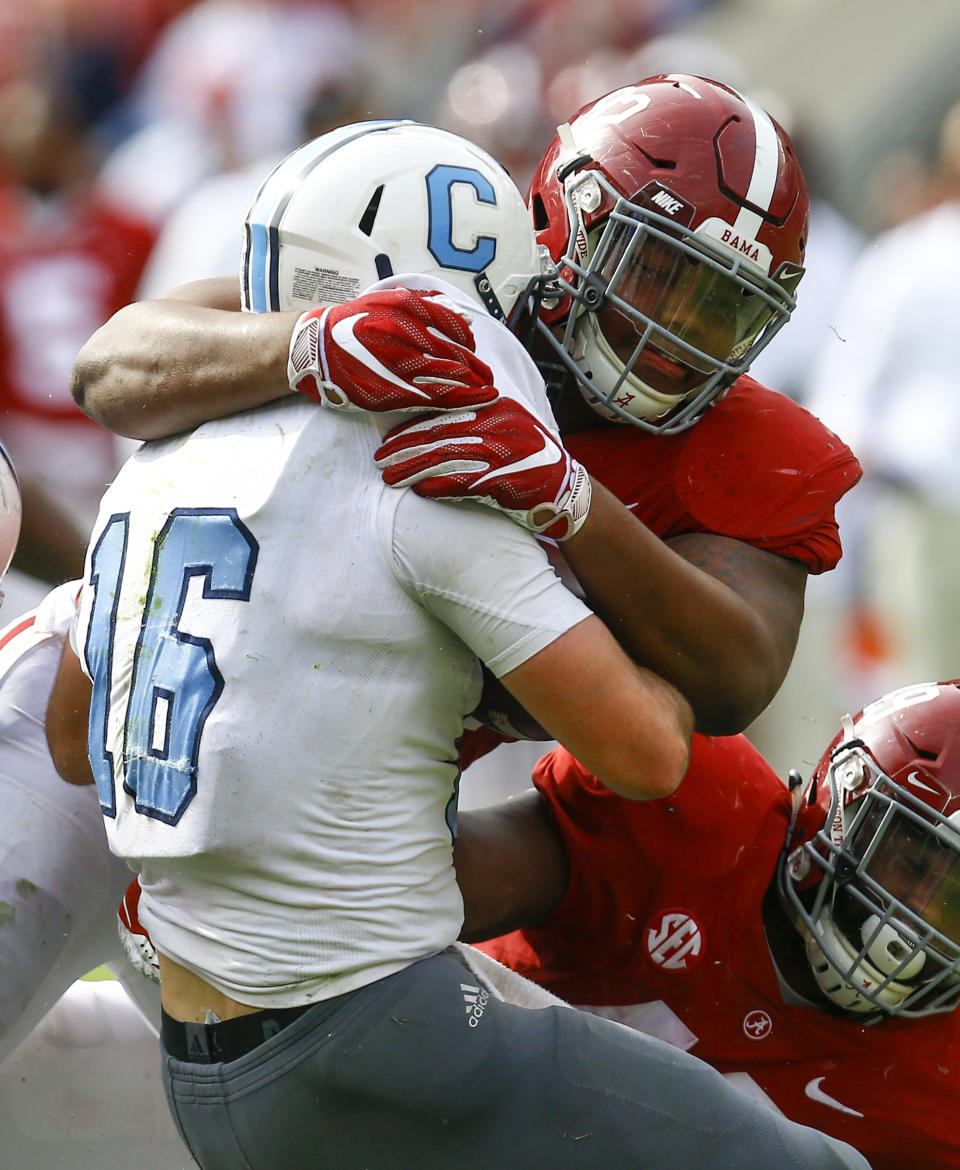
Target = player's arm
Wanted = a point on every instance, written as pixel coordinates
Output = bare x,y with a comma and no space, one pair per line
163,366
68,713
495,588
625,724
167,365
511,867
717,617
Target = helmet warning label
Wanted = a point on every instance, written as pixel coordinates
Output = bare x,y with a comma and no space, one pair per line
324,285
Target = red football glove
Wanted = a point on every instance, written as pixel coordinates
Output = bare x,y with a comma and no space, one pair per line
502,456
133,934
390,350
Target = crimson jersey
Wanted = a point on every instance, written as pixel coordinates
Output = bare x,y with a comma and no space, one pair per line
65,267
757,467
661,929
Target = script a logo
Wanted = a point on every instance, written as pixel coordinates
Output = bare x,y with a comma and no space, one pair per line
757,1024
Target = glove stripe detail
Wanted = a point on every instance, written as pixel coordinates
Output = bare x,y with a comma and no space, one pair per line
342,333
548,454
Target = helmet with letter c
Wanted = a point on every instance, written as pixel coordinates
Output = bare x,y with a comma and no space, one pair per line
875,890
377,199
676,212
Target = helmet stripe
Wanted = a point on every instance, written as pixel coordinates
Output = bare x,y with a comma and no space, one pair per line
261,259
763,181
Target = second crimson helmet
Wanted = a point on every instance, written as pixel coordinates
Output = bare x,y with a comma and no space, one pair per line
875,892
677,213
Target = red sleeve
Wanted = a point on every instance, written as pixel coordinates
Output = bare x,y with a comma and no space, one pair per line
726,777
621,852
757,468
478,742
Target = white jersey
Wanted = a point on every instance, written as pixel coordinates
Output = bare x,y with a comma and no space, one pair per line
59,884
284,651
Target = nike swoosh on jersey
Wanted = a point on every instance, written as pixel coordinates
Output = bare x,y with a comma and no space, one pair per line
548,454
812,1090
342,332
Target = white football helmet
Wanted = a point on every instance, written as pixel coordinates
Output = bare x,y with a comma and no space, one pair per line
377,199
10,510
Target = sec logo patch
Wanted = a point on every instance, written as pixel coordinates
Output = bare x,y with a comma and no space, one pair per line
673,940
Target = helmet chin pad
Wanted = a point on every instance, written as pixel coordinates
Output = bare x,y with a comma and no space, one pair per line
609,380
865,982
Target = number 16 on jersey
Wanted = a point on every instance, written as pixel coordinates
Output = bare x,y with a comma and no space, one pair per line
172,679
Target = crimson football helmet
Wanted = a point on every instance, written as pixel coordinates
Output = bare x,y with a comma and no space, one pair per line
875,892
677,213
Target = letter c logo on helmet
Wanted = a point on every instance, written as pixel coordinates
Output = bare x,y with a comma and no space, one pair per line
441,183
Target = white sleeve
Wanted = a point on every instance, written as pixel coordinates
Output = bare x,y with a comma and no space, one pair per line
484,577
56,612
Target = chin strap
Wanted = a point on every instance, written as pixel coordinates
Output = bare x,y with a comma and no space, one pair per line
799,790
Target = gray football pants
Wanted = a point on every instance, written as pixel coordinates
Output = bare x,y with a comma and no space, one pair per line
415,1072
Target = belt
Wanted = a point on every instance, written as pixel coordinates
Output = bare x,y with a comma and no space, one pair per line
227,1040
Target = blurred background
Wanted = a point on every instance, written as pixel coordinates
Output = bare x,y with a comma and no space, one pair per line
134,132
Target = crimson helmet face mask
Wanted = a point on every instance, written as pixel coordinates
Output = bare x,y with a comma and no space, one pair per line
876,891
677,213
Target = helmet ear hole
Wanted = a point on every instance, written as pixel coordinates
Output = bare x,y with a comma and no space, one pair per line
541,221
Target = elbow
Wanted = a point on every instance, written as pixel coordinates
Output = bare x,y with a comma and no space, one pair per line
652,776
730,718
651,763
95,386
672,765
111,388
82,377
